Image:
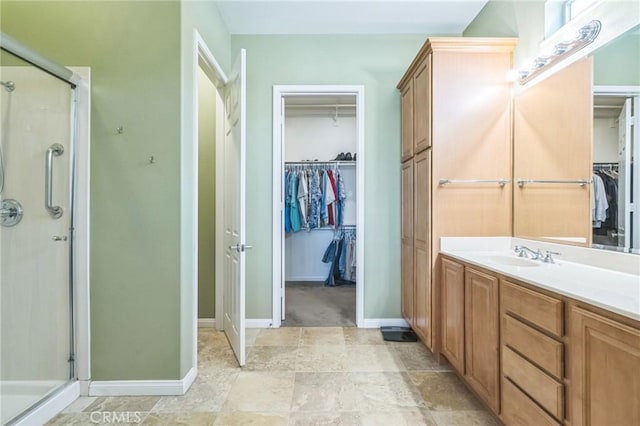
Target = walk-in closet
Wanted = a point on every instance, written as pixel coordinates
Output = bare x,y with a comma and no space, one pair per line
615,224
319,151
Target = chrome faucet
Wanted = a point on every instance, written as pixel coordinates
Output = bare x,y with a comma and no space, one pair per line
548,258
522,251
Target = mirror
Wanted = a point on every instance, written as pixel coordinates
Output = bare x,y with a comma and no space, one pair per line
615,144
576,136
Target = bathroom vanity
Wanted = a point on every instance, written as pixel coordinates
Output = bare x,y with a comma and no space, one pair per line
543,343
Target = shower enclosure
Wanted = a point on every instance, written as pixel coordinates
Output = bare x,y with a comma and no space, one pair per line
37,128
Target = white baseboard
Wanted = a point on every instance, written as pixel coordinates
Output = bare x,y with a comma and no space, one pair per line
84,387
206,322
188,379
143,387
384,322
52,407
258,323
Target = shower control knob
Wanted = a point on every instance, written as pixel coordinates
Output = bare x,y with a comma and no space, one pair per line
57,238
10,212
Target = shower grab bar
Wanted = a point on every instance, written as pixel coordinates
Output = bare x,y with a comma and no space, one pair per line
55,211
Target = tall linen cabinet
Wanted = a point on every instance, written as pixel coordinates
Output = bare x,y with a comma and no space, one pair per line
456,130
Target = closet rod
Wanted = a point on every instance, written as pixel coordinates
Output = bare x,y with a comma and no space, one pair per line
609,166
319,163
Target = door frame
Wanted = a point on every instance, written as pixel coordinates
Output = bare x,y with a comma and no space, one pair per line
280,92
201,52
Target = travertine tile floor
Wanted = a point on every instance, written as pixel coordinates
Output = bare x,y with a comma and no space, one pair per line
302,376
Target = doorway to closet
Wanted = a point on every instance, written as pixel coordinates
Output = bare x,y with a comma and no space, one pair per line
615,142
318,206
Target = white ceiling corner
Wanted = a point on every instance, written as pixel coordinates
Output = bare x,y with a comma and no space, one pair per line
348,16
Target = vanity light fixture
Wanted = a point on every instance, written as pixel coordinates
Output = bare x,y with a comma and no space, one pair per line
572,42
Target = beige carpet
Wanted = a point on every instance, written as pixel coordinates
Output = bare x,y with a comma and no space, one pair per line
311,304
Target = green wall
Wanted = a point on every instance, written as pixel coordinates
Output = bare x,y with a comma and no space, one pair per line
523,19
206,196
133,49
378,63
618,63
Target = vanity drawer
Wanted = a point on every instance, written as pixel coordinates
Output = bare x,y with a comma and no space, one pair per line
541,387
539,309
519,410
537,347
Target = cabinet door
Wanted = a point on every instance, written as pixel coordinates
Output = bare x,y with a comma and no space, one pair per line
407,121
604,356
407,242
422,241
422,107
452,292
481,335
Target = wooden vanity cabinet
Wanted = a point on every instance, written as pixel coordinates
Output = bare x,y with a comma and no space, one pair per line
406,105
422,106
408,288
482,339
532,348
470,328
560,362
447,133
422,245
452,321
604,375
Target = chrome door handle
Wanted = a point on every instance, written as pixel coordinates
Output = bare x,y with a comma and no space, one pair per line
57,238
55,211
240,247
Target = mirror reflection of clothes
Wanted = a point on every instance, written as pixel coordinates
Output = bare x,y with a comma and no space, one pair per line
605,202
599,203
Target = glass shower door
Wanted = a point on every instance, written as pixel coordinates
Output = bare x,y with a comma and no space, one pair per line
36,316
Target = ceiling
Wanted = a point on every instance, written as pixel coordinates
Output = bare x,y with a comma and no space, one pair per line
433,17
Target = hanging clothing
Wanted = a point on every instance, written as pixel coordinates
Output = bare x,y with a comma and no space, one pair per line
331,208
303,198
611,190
287,209
599,203
314,198
341,255
342,196
295,208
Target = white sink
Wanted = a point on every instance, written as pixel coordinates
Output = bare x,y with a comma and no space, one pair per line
512,261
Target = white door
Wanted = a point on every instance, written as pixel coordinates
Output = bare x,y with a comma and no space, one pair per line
234,208
624,176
